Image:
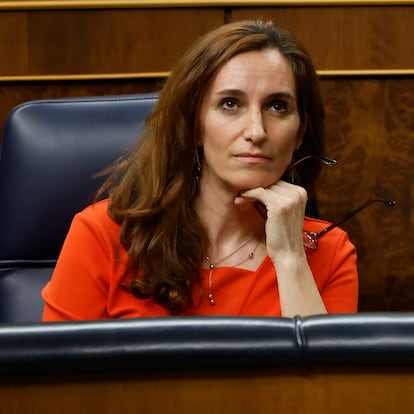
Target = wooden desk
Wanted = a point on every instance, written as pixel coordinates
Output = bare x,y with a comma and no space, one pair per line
318,390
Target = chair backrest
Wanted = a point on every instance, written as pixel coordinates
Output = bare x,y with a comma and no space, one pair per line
51,152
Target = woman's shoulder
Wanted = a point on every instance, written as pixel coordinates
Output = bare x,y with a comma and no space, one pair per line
98,209
96,214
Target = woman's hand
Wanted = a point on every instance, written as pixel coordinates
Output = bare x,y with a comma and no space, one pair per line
284,204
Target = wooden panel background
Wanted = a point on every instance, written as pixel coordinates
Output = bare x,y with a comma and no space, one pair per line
321,390
346,38
370,116
370,130
99,41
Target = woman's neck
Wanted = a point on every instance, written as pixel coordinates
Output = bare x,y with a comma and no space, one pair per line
226,224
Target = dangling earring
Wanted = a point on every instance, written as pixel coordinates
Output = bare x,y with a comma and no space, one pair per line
197,170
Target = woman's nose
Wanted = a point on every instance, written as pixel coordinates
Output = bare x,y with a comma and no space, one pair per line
255,129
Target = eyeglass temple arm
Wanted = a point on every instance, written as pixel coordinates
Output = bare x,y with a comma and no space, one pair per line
389,203
324,160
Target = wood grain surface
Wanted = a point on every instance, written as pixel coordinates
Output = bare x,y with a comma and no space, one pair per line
370,130
328,390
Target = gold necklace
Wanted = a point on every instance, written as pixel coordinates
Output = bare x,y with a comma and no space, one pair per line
213,266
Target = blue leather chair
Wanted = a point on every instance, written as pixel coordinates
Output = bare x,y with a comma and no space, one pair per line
51,151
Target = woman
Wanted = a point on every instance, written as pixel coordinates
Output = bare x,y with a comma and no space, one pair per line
181,233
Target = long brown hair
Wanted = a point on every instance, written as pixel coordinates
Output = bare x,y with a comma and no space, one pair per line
152,191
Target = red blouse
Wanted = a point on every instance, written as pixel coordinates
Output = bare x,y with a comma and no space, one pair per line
86,282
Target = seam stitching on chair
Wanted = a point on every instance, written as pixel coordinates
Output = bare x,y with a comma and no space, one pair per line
300,338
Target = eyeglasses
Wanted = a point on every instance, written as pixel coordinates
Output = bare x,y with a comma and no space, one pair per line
310,238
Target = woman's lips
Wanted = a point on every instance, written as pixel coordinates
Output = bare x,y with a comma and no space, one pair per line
253,158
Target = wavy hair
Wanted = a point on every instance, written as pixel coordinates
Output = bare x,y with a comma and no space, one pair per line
152,190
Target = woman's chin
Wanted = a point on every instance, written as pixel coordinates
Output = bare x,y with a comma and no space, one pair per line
256,183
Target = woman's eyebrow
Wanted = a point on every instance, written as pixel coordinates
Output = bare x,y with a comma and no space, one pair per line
271,96
281,95
231,92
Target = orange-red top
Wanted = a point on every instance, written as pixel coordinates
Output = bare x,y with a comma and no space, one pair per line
86,282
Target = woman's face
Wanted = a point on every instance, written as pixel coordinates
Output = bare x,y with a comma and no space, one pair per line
249,122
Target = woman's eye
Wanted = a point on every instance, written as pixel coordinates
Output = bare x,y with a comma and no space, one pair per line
278,106
229,104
